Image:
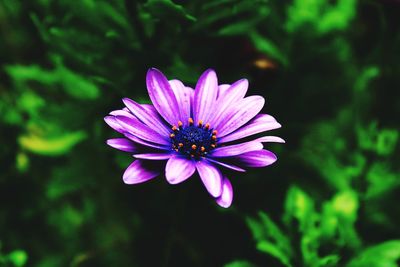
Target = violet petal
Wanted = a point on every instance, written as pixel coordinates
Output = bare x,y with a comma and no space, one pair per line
145,116
138,172
229,97
162,95
205,96
259,124
225,200
240,114
179,169
137,128
122,144
259,158
153,156
211,177
234,150
183,97
229,166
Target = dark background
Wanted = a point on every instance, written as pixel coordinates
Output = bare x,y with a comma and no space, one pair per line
329,71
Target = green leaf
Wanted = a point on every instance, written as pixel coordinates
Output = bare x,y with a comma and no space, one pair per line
18,257
240,263
164,8
267,47
383,255
52,146
274,251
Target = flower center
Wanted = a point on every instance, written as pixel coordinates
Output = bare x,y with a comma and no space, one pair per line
192,140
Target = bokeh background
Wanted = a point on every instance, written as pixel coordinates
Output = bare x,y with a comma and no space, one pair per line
329,71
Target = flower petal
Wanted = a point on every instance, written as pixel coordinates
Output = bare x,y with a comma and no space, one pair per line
145,116
139,172
179,169
233,94
211,177
225,200
273,139
122,144
153,156
162,95
184,97
239,114
259,124
229,166
145,143
205,96
234,150
221,89
259,158
137,128
112,122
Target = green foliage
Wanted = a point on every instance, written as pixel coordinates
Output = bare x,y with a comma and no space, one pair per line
386,254
328,70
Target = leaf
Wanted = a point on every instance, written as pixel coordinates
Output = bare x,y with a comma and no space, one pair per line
53,146
240,263
300,206
383,255
167,8
274,251
267,47
18,257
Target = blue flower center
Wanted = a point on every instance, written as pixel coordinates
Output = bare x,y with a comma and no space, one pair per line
193,141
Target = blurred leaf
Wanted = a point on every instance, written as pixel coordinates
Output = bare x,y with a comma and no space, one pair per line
324,16
73,84
381,180
240,263
300,206
53,146
383,255
274,251
167,8
18,257
22,162
267,47
366,76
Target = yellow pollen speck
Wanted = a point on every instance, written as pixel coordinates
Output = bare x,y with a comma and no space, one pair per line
180,124
202,149
214,137
174,128
180,145
194,147
172,135
212,145
207,126
190,121
200,122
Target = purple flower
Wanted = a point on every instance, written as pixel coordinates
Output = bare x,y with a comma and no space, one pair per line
201,129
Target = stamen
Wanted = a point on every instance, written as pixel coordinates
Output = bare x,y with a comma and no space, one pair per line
172,135
214,132
202,149
213,137
207,126
194,147
180,145
200,123
174,128
190,121
213,145
180,124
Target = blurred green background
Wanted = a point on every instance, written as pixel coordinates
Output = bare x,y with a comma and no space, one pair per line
329,71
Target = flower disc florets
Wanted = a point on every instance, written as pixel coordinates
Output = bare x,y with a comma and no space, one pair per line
192,140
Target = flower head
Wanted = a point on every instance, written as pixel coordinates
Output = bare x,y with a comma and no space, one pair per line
201,129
